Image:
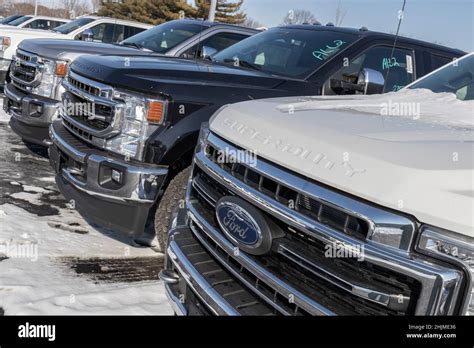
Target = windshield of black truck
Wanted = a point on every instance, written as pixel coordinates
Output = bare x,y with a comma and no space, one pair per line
165,36
19,21
456,77
73,25
288,52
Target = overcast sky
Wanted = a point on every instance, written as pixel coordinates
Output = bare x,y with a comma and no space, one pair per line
448,22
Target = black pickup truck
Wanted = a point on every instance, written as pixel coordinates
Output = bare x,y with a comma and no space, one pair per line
41,64
125,161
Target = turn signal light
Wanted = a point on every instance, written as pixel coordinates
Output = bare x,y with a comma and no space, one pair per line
61,69
155,111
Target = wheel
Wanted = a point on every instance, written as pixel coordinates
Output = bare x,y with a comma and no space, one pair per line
170,200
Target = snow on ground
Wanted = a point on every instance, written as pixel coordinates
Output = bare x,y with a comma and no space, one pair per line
3,116
52,261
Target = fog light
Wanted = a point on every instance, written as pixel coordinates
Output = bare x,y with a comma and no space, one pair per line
117,176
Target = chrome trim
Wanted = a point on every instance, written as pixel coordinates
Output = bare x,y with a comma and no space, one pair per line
201,288
169,277
435,279
176,304
116,119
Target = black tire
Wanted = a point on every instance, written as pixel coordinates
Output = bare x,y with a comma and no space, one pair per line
174,193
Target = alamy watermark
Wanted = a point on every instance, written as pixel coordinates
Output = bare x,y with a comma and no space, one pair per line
410,109
19,250
340,251
234,156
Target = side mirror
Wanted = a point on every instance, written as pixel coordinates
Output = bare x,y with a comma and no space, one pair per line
371,81
87,35
207,52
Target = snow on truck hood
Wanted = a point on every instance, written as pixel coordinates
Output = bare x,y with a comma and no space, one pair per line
419,162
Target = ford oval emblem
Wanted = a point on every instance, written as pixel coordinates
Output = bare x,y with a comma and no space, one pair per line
237,223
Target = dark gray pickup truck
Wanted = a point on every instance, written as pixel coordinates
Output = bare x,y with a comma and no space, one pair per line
40,65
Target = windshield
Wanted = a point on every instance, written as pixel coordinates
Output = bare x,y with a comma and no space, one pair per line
73,25
165,36
283,51
9,19
20,20
455,77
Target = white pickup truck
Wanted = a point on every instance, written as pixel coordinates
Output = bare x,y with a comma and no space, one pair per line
354,205
88,28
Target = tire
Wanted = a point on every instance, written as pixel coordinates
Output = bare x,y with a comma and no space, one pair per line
173,194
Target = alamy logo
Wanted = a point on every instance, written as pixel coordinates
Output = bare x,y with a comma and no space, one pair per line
37,331
340,250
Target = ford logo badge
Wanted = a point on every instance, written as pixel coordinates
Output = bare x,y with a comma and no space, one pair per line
246,226
237,223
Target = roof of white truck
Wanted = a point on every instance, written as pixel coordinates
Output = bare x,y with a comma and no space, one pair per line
121,21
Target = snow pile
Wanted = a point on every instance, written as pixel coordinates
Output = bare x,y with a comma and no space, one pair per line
4,117
417,104
35,281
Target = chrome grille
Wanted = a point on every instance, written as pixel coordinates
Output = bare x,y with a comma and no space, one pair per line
24,71
23,56
385,282
84,87
92,114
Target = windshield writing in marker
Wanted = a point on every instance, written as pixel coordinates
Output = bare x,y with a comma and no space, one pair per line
328,50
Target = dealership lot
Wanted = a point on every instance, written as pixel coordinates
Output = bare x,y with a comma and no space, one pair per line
54,262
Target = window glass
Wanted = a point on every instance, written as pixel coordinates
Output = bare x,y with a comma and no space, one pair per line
19,21
165,36
286,52
104,32
438,61
457,78
218,42
44,24
131,31
69,27
397,70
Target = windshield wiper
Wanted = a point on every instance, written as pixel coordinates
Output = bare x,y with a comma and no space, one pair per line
243,64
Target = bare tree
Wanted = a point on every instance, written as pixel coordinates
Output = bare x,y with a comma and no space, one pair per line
252,23
96,5
76,7
299,17
340,14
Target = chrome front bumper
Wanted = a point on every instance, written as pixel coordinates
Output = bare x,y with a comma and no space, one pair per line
85,176
30,115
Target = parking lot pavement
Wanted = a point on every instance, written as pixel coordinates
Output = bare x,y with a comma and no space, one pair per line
54,262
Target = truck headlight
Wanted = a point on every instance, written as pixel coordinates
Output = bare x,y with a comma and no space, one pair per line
203,135
141,117
5,42
450,246
52,73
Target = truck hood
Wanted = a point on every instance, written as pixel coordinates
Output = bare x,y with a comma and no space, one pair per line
419,162
148,74
71,49
24,33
